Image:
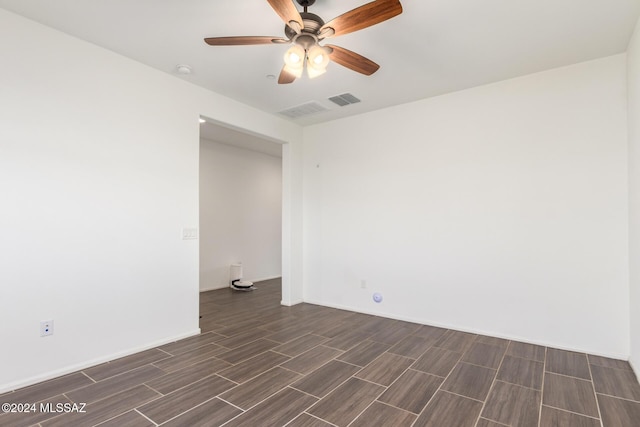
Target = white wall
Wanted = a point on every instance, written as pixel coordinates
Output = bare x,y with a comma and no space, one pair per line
500,210
293,215
98,174
240,214
633,83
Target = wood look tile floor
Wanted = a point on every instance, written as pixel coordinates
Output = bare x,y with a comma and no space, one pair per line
260,364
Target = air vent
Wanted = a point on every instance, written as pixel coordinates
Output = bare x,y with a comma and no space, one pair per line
303,110
344,99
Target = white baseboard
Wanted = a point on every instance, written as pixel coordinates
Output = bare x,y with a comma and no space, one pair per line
470,330
89,363
265,278
291,303
226,285
213,288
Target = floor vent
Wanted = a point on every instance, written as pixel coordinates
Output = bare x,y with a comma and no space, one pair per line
344,99
303,110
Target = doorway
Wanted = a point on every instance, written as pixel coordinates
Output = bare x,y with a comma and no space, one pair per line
240,206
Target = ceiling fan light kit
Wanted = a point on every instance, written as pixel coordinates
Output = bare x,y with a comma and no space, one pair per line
305,30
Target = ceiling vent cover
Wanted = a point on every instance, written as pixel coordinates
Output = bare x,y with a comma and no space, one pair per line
344,99
303,110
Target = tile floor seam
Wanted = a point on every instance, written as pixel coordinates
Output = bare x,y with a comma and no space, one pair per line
572,412
310,405
616,397
369,405
318,335
186,351
263,400
182,367
428,373
116,416
439,389
126,388
349,363
491,421
519,385
417,414
125,372
181,413
408,357
544,372
479,366
229,403
370,382
511,342
526,358
466,397
241,345
326,344
283,354
143,415
166,352
336,387
317,418
83,373
320,366
568,376
283,367
595,394
230,420
307,393
89,376
395,407
495,378
186,385
398,377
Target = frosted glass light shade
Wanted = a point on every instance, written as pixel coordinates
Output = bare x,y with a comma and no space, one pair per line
294,57
318,56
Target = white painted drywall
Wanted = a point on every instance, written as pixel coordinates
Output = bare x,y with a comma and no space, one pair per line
500,209
240,214
633,85
98,175
293,215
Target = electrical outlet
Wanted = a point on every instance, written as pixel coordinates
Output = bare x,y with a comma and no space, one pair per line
363,284
46,328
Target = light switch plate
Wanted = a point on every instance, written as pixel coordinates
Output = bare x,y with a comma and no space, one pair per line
190,233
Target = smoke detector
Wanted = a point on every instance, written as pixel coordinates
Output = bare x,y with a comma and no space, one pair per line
183,69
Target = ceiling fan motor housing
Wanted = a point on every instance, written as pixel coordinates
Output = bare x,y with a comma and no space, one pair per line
312,24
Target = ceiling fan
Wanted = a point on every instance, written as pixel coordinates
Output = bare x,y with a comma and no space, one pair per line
305,31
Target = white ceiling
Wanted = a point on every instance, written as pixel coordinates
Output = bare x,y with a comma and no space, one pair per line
433,47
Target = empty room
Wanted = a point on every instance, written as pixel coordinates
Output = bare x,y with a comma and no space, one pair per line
314,213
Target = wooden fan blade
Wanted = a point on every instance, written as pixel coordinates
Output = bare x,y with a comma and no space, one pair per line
288,12
243,40
364,16
285,77
352,60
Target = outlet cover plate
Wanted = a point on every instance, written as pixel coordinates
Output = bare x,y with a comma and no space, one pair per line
46,328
